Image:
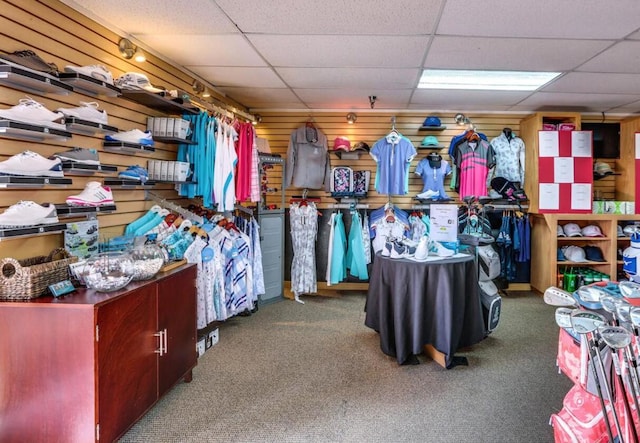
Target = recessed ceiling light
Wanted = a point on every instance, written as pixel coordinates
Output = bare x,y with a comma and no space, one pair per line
485,80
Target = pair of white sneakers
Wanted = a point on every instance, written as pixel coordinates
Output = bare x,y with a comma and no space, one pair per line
32,112
428,247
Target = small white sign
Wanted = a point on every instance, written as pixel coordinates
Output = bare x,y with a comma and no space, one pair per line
444,222
581,196
548,144
563,170
549,196
581,143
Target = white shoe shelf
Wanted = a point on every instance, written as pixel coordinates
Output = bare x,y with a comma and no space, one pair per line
12,181
30,231
128,184
26,131
68,211
32,81
127,148
89,85
87,127
75,168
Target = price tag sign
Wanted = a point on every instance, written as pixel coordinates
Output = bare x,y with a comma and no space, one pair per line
444,223
61,288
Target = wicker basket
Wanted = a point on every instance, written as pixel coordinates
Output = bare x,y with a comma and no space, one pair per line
29,278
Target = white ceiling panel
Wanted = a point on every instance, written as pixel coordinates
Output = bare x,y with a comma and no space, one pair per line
349,78
621,57
491,100
252,97
368,17
204,50
317,51
508,53
169,16
248,77
628,108
585,102
587,82
589,19
354,98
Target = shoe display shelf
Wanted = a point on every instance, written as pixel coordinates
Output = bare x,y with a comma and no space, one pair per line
75,168
157,101
174,140
127,184
32,81
30,231
26,131
88,85
87,127
68,211
127,148
11,181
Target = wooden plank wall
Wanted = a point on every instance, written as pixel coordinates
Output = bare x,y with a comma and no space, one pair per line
60,35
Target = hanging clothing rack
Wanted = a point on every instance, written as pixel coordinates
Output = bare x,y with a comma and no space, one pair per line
243,209
175,208
348,206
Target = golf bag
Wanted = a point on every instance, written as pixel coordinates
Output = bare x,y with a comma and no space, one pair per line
580,419
488,263
491,305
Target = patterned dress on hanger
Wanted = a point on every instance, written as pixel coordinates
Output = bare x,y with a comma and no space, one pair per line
304,230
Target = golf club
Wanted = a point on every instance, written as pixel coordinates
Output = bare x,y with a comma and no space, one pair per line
585,323
563,317
629,289
554,296
617,338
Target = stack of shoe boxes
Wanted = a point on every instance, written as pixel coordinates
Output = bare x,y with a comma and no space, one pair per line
169,127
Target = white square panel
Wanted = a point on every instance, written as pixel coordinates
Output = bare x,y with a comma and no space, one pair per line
253,97
349,77
623,57
370,17
591,19
577,101
508,53
149,17
586,82
341,50
204,50
249,77
456,99
354,98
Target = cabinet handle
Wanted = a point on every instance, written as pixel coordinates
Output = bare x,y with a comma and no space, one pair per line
166,341
160,334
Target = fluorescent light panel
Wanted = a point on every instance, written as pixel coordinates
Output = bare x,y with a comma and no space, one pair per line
485,80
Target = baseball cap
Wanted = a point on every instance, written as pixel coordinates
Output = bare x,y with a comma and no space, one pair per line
601,170
432,121
574,253
342,143
592,231
561,256
620,232
136,80
593,253
430,141
572,230
360,146
560,232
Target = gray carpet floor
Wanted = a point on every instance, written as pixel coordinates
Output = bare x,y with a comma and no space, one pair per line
315,373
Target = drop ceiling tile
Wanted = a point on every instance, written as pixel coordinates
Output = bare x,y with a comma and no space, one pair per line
577,101
169,16
592,19
587,82
341,50
476,100
354,98
349,77
204,50
249,77
507,53
623,57
254,97
401,17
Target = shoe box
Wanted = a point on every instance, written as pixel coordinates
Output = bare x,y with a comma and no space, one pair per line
168,170
206,341
169,127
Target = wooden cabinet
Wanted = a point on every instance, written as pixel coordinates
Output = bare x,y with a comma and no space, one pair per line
545,243
87,366
529,128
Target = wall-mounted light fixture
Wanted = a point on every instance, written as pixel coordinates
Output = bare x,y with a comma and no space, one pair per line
351,118
130,51
206,93
257,118
198,87
462,120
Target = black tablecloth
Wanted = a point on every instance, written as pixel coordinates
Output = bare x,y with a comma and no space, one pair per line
411,304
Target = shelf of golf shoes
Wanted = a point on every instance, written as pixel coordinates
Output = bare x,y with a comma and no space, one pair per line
74,168
88,85
87,127
12,181
32,81
30,231
26,131
127,148
69,211
128,184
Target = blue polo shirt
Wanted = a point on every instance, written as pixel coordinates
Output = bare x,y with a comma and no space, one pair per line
393,155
